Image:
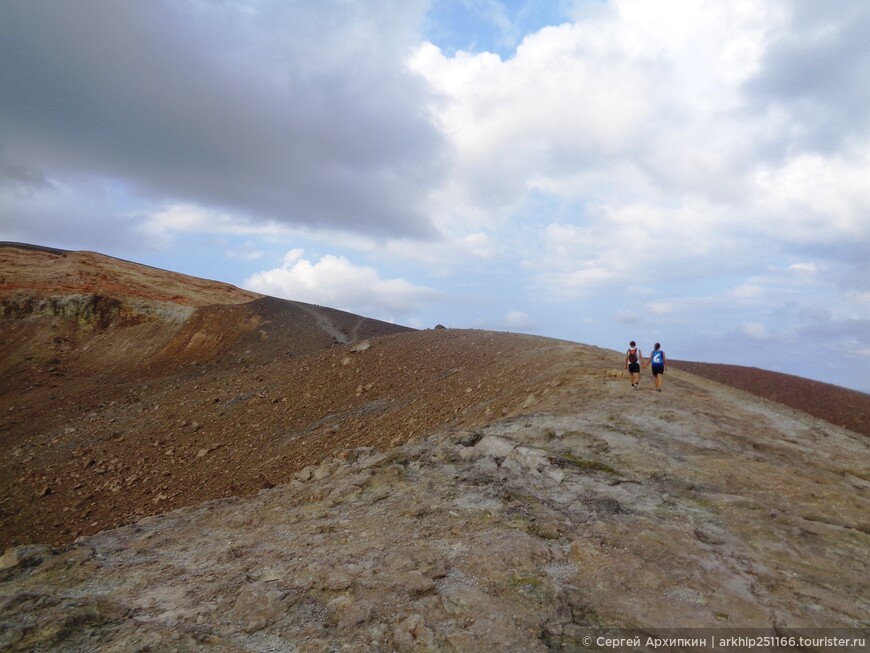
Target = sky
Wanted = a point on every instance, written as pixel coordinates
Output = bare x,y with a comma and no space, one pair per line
689,172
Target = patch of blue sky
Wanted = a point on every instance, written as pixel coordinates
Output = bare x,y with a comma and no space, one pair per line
497,26
186,253
540,208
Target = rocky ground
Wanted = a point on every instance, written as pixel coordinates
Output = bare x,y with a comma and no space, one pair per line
81,461
598,509
209,470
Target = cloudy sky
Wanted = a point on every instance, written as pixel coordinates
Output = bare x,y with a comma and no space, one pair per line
693,172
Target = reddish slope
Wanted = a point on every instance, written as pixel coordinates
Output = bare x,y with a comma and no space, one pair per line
42,271
847,408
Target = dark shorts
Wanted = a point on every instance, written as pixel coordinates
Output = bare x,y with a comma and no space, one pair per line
658,369
634,368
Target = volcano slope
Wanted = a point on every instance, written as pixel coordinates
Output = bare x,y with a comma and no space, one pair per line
123,387
241,479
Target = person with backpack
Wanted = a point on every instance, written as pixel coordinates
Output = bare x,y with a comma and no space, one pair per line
659,363
633,361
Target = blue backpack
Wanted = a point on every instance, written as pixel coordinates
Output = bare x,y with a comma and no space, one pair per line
658,357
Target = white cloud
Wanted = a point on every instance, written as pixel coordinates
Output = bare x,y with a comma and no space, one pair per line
628,317
163,225
334,281
519,320
816,198
642,116
292,257
859,298
246,252
804,268
755,331
626,245
748,292
444,256
633,83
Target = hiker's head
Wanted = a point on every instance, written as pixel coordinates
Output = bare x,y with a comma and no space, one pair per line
631,344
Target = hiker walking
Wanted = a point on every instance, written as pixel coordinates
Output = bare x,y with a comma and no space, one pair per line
633,360
659,364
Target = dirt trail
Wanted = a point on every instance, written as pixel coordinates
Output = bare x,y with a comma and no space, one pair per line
327,325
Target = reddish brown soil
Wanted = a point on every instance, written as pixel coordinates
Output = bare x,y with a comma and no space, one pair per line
90,450
41,271
847,408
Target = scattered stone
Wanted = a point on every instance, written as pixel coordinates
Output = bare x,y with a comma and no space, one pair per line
494,446
346,612
337,581
416,583
257,607
305,474
324,470
26,556
412,632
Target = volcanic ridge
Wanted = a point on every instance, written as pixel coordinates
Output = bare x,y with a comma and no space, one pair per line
191,466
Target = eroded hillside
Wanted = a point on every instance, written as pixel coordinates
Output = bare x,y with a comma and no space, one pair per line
112,377
152,398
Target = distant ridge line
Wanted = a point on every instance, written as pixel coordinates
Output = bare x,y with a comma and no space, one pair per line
835,404
63,252
35,248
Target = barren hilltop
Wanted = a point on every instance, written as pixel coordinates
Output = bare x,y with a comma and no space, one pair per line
190,466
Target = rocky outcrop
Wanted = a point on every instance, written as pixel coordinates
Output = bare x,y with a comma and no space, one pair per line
93,310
